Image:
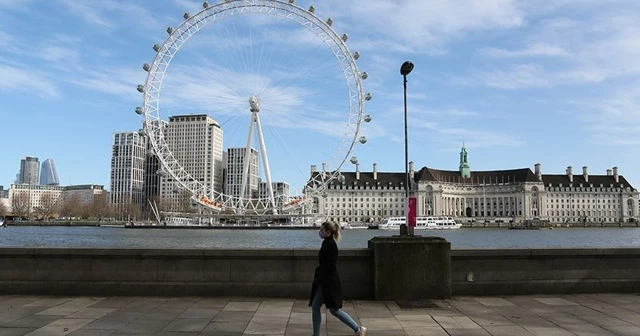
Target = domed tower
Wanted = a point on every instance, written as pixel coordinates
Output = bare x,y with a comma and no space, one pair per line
465,170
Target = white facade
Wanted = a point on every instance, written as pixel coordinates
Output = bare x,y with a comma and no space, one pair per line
35,196
516,194
235,170
196,143
127,169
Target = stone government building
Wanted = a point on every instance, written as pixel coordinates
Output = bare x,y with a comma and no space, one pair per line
497,195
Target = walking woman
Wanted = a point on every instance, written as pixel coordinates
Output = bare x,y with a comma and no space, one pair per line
326,286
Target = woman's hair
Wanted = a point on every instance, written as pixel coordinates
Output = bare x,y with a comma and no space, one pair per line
334,228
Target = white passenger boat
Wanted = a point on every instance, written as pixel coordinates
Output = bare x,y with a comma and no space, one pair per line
422,223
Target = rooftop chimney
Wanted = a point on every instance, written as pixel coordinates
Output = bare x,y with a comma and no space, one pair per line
375,171
615,174
585,174
358,171
570,173
411,170
538,172
324,167
609,173
313,169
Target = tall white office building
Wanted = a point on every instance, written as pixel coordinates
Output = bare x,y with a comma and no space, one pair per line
127,171
235,170
196,143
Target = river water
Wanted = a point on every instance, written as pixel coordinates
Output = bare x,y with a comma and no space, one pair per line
466,238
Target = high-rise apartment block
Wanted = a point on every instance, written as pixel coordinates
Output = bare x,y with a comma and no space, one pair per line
280,192
29,171
127,170
196,143
48,173
235,171
151,173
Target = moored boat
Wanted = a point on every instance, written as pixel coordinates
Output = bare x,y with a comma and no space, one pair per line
422,223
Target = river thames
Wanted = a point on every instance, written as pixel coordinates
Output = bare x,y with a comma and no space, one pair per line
466,238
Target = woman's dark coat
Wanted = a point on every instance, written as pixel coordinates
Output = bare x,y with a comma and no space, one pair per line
327,275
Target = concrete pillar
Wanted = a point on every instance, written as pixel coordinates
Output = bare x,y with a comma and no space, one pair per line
411,268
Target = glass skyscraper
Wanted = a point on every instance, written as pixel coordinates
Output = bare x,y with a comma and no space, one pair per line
48,173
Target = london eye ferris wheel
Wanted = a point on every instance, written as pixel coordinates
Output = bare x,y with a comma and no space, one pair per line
282,83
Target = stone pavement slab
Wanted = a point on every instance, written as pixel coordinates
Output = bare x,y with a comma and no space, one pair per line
544,315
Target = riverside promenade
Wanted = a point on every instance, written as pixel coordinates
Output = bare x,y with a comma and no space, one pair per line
544,315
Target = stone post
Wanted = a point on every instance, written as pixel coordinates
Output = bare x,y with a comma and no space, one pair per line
411,268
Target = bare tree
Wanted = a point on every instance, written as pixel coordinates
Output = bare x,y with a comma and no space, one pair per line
99,207
185,202
20,204
71,206
3,210
49,206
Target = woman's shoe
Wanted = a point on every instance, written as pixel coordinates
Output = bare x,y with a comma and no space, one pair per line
362,331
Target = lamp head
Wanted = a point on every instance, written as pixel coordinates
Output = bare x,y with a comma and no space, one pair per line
406,68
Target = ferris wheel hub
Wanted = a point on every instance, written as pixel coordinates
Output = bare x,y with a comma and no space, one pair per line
254,104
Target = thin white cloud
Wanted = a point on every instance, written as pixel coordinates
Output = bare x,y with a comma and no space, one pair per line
535,50
522,76
425,25
616,119
15,79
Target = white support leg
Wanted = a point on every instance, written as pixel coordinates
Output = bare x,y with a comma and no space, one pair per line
267,171
247,158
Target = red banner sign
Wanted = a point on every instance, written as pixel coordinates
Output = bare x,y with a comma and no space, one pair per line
412,211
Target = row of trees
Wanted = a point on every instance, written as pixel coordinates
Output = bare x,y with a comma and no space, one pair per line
52,206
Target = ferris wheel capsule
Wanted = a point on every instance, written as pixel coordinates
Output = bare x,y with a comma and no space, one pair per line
356,55
169,30
368,96
329,22
292,1
139,110
312,9
364,75
341,178
146,67
186,15
344,37
141,132
140,88
363,139
354,160
156,47
325,194
367,118
161,172
205,5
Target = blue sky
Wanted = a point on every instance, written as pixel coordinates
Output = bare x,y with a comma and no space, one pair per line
520,82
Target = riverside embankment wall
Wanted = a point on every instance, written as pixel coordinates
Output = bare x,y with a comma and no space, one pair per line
288,273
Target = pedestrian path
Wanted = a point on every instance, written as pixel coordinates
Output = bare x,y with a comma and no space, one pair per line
544,315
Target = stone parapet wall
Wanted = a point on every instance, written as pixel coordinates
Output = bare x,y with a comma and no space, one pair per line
544,271
210,272
288,272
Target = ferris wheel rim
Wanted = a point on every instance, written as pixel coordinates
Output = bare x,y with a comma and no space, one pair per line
208,15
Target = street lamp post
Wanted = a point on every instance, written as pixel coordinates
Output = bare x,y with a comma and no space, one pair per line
406,69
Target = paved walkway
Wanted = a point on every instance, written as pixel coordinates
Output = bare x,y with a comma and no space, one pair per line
548,315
